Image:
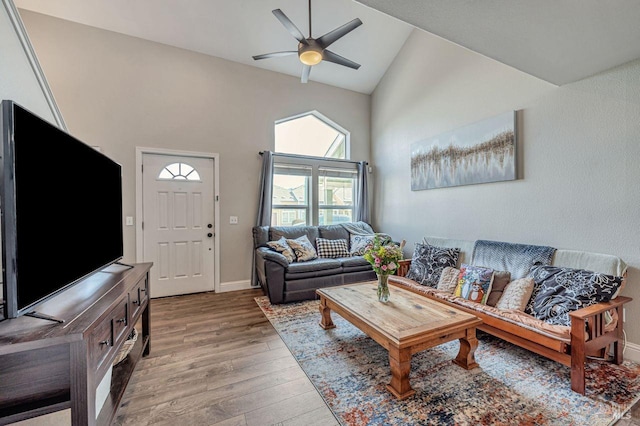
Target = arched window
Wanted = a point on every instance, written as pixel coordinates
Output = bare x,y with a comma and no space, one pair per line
312,134
179,171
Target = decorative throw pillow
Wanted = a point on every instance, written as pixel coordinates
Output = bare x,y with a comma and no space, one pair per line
359,243
563,290
428,262
332,248
283,248
448,280
474,283
516,294
500,280
303,249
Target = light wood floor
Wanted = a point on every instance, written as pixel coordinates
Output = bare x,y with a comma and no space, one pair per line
216,360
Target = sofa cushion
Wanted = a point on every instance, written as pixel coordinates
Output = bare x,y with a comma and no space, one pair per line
313,268
283,248
429,261
303,249
333,232
355,264
332,248
293,232
516,294
358,243
448,280
559,291
500,280
474,283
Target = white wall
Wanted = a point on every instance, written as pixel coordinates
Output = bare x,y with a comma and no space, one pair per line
579,155
120,92
18,80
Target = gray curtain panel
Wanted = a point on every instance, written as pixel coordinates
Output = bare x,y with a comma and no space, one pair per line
361,212
264,204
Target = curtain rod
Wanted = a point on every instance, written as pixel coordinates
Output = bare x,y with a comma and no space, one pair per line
310,157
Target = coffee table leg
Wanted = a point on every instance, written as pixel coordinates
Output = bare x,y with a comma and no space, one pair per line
325,322
400,361
468,345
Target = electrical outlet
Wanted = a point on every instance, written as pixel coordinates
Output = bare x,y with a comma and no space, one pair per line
233,220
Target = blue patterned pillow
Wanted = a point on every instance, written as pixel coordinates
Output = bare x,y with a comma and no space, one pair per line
359,243
559,291
429,261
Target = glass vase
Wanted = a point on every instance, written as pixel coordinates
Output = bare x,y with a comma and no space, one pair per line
383,288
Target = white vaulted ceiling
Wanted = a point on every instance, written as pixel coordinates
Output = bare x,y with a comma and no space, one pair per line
559,41
238,29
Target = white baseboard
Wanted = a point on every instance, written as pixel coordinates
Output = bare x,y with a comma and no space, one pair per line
235,285
632,352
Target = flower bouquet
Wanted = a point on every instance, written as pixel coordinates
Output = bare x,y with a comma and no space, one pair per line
383,257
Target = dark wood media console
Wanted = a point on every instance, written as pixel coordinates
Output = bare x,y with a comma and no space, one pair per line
47,366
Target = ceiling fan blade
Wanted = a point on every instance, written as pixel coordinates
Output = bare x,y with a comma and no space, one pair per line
275,54
290,26
329,56
306,70
327,39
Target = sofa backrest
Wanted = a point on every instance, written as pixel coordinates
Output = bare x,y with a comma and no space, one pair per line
334,232
264,234
603,263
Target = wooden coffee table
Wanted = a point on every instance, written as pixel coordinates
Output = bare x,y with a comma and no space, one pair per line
407,324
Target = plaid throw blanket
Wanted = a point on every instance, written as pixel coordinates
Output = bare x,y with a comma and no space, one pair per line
515,258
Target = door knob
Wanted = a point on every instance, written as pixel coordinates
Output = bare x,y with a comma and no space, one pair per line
209,235
209,226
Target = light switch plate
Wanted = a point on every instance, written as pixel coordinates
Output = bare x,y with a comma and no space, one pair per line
129,221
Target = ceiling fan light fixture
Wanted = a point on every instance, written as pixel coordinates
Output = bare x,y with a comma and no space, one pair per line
310,57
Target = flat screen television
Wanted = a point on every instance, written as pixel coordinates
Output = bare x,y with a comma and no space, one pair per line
61,203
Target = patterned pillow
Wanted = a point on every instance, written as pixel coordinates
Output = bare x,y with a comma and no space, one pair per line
283,248
563,290
429,261
500,281
474,283
303,249
332,248
359,243
516,294
448,280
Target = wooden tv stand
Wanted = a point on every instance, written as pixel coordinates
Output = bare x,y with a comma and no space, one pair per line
46,366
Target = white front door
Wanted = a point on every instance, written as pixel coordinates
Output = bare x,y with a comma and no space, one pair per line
178,223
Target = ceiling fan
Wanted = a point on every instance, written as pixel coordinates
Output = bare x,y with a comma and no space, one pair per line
311,51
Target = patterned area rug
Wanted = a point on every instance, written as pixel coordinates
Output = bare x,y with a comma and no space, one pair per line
512,385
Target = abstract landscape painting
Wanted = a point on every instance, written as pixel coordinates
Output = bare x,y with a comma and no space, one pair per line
478,153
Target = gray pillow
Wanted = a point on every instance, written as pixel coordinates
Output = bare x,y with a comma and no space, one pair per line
303,249
282,247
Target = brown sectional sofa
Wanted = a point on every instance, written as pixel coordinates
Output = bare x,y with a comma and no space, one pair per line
591,332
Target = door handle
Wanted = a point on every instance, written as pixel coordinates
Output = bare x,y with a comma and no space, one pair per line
209,235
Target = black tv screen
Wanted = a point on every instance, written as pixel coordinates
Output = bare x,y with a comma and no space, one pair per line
61,207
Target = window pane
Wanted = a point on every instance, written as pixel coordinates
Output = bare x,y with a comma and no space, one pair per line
288,217
335,191
309,135
290,190
334,216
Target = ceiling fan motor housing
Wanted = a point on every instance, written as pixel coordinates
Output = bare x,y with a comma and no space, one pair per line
310,53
